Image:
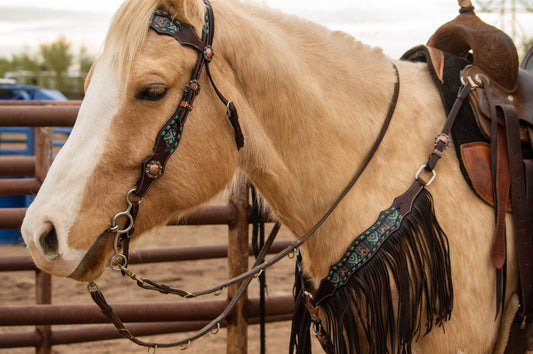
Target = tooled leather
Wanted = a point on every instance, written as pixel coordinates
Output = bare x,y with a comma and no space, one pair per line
184,34
493,50
522,100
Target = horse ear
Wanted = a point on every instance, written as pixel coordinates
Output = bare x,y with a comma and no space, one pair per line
186,11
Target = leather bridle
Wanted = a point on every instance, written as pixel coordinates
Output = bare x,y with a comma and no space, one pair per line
169,137
153,167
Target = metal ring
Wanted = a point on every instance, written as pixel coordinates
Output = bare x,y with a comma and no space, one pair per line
475,82
91,286
132,192
216,330
258,274
292,254
185,346
115,224
219,291
113,228
228,109
432,178
117,265
316,329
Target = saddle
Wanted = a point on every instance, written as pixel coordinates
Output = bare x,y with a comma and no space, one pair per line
499,164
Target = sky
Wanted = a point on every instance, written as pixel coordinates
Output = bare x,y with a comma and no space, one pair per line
392,25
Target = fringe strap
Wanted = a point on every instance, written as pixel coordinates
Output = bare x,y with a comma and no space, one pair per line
406,245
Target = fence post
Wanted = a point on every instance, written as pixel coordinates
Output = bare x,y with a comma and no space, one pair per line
44,153
43,281
43,296
237,328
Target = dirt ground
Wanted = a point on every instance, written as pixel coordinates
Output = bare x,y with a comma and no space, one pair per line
17,288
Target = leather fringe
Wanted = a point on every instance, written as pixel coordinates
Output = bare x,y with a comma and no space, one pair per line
301,320
365,317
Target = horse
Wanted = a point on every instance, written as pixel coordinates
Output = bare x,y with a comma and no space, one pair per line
311,102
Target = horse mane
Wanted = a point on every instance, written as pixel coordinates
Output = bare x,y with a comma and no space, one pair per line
127,33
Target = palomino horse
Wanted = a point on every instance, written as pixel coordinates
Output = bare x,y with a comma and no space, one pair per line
311,103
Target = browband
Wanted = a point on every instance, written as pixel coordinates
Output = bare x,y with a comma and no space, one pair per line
184,33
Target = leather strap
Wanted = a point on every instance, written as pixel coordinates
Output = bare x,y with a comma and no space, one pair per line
442,141
502,183
521,210
231,112
99,299
165,289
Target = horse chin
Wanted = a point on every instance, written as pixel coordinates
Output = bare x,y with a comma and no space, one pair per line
95,260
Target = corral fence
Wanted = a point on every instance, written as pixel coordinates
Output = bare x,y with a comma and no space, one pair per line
155,318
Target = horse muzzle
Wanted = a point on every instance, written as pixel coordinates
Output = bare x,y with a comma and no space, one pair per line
51,254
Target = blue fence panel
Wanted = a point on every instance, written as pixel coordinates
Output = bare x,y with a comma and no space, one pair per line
21,141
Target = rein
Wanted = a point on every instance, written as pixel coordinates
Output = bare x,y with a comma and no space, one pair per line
152,168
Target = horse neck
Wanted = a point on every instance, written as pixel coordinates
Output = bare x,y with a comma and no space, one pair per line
312,103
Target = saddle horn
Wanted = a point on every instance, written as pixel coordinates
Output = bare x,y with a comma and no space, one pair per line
493,51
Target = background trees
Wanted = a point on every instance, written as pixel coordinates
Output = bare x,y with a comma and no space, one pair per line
54,66
57,58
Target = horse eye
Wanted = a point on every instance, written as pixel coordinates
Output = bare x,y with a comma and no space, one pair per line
152,92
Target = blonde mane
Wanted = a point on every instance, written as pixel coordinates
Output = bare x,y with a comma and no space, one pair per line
127,33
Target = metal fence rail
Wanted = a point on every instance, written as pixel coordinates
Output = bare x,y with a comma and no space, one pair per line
155,318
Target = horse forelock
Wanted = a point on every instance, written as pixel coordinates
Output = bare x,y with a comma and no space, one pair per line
127,33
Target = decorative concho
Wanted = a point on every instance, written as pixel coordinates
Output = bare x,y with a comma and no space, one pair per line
444,138
154,169
193,85
208,53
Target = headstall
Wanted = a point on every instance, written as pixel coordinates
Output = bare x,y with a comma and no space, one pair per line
169,137
153,167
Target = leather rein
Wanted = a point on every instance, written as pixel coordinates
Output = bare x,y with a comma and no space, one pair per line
153,166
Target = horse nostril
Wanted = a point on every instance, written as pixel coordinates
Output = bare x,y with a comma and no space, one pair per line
49,244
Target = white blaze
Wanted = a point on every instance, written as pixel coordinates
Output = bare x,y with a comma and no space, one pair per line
60,196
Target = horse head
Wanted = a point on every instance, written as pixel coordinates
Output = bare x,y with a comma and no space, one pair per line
134,87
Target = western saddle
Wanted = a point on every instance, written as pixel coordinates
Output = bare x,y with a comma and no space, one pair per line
501,171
